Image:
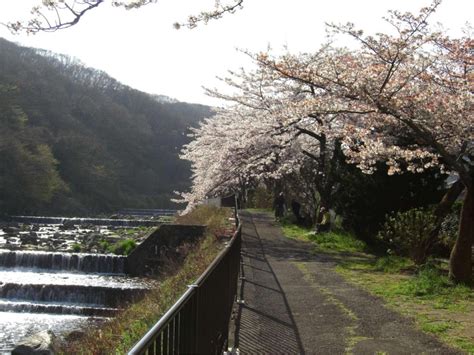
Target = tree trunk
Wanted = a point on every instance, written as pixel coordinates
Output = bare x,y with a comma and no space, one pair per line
460,264
443,208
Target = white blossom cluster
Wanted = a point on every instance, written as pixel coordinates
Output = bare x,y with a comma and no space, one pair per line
405,99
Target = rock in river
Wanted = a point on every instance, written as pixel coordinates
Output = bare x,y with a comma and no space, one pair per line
43,343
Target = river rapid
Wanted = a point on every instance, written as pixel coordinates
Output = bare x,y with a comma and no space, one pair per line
45,286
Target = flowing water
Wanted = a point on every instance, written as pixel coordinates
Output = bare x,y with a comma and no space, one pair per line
60,291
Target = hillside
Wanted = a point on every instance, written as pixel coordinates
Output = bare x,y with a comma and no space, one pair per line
73,140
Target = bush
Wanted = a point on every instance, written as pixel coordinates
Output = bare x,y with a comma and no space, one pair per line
104,246
123,247
76,248
408,234
363,201
450,228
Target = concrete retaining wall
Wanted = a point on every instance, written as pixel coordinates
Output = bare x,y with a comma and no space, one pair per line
146,257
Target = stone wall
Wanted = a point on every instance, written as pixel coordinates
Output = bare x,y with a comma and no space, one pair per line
148,255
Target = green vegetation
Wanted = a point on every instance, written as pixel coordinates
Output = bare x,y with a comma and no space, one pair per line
213,217
76,247
337,241
392,264
437,305
124,247
74,141
408,233
267,211
363,201
295,231
424,292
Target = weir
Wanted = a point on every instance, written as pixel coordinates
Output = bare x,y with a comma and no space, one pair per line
80,262
73,294
82,221
48,286
61,289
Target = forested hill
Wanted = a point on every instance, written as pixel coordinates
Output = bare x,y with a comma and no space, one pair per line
73,140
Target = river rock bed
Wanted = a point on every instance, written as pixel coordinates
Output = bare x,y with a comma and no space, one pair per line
66,237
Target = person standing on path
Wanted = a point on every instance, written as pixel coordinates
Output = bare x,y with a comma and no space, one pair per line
279,206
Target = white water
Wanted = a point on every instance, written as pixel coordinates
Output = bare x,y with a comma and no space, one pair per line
14,326
49,290
63,278
78,262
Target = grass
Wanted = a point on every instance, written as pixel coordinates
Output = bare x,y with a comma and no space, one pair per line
121,333
334,241
425,293
267,211
438,306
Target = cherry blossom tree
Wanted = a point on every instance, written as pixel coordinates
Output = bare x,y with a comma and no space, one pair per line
263,137
405,98
53,15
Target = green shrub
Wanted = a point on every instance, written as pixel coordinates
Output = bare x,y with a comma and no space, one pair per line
364,200
124,247
76,247
104,246
450,227
408,234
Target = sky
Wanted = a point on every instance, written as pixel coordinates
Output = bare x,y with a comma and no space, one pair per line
141,48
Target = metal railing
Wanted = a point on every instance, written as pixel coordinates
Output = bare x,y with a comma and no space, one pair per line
198,323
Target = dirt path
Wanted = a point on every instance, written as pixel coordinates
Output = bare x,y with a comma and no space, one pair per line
295,303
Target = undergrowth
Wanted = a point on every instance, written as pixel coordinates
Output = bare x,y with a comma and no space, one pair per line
334,241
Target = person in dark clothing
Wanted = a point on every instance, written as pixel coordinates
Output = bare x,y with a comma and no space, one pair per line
295,208
279,206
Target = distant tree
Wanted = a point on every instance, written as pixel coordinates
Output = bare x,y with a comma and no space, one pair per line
74,140
53,15
28,169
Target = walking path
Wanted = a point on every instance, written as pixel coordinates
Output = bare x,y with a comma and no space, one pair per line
294,302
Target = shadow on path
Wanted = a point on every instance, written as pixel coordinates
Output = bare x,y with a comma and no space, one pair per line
265,323
295,303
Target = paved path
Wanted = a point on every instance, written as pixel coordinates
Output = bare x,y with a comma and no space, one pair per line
296,303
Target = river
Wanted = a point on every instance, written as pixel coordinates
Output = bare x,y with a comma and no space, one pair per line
60,291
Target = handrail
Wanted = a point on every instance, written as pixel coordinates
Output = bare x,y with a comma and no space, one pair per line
150,336
188,326
216,261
